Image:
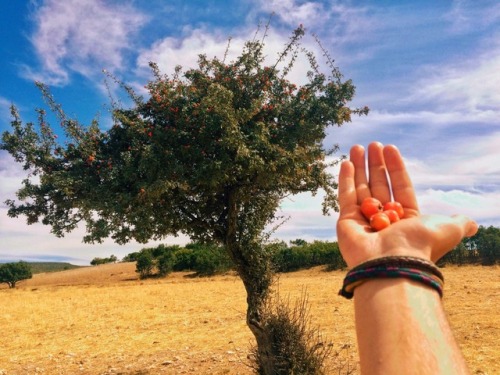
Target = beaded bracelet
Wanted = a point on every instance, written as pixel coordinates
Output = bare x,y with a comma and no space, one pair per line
412,268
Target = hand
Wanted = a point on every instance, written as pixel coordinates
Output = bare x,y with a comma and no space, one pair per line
424,236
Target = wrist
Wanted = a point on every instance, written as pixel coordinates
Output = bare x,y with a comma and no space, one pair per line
392,288
393,267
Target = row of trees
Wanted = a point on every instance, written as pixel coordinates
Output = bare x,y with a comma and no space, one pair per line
204,259
210,259
483,248
96,261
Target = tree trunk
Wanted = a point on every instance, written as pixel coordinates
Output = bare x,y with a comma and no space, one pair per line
257,279
256,303
254,269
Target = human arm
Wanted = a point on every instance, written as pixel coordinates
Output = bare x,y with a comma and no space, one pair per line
401,325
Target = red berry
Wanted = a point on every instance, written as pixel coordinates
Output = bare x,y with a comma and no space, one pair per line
393,215
396,206
379,221
370,206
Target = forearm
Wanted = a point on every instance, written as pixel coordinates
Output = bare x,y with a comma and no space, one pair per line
402,329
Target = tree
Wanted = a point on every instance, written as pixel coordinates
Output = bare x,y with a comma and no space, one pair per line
209,153
12,273
487,243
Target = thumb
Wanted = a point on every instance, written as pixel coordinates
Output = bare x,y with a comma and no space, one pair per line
470,226
448,231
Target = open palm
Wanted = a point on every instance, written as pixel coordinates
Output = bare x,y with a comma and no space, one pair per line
425,236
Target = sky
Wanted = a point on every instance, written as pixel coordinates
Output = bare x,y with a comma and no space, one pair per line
428,70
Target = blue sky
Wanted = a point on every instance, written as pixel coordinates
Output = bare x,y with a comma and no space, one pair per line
429,71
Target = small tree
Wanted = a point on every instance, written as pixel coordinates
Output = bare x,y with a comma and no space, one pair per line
12,273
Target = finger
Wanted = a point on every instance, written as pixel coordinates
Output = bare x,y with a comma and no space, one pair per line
357,157
347,189
402,187
379,185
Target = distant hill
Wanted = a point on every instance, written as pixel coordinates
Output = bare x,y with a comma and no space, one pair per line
41,267
104,274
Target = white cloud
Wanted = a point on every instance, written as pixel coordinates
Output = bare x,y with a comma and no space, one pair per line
466,182
309,225
443,149
481,207
420,134
170,52
468,83
294,13
469,87
10,176
83,37
35,242
334,20
184,51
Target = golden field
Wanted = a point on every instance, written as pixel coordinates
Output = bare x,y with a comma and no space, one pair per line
103,320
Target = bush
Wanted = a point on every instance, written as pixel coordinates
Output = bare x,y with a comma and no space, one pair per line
297,347
210,260
287,259
291,259
204,259
161,249
132,257
165,263
145,264
184,260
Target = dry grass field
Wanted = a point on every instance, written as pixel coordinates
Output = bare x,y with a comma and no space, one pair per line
103,320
